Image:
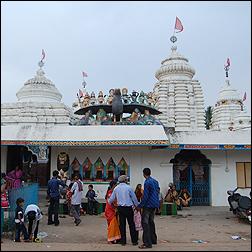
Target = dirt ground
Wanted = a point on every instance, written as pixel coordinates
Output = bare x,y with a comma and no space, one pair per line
215,225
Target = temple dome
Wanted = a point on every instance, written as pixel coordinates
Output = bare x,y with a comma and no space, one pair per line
175,67
39,89
228,93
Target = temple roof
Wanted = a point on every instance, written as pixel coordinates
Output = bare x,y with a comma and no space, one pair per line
151,135
177,65
39,89
228,93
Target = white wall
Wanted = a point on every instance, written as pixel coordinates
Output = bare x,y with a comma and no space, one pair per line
137,157
158,161
221,180
3,159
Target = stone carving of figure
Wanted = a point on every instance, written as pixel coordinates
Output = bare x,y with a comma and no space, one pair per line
86,100
110,96
149,98
101,97
125,96
141,97
100,116
92,98
134,116
85,120
117,106
42,153
134,96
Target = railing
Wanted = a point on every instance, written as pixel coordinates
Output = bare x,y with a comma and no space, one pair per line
29,192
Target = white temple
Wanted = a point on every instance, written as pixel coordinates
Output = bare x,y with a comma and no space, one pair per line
39,102
218,159
180,98
229,112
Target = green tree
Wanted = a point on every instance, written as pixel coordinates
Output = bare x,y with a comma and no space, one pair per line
208,117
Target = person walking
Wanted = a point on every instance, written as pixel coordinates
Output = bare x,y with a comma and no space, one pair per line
54,196
126,199
149,203
76,190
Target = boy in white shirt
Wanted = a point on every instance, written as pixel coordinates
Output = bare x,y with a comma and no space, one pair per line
34,215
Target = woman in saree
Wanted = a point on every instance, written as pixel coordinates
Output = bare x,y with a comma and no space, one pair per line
112,218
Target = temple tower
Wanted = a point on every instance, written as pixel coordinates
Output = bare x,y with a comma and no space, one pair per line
229,112
39,102
180,98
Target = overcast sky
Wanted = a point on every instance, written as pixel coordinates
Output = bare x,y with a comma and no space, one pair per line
122,44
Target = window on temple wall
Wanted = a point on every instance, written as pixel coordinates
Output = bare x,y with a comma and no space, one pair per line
99,169
75,166
123,167
110,168
87,169
243,173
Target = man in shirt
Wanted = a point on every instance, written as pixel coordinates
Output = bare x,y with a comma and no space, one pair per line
34,215
76,190
54,196
149,203
126,198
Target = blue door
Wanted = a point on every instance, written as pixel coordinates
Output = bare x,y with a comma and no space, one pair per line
198,188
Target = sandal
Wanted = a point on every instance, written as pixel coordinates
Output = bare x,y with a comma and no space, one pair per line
143,246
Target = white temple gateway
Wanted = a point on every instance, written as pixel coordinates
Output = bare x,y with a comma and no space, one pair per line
101,139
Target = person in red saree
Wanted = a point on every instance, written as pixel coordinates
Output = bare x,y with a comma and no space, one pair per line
112,218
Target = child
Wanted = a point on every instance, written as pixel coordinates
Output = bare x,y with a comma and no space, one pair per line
69,197
19,220
91,200
34,215
161,199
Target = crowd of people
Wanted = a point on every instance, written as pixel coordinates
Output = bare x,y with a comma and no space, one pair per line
122,203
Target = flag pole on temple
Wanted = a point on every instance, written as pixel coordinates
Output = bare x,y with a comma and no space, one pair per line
41,63
179,27
227,67
84,82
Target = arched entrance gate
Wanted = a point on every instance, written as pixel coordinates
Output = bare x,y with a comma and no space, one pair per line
191,171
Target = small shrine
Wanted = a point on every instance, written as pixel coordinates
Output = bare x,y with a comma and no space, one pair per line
118,107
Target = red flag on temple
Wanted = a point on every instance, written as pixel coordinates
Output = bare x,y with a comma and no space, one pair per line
43,54
84,74
178,25
228,62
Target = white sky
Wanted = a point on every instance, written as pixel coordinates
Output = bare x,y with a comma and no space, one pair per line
122,44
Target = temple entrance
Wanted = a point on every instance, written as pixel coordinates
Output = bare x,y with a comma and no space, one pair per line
191,171
33,169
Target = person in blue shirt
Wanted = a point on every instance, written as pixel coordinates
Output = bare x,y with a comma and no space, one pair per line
149,203
92,203
126,199
54,196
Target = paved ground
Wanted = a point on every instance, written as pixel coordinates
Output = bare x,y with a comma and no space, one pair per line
215,225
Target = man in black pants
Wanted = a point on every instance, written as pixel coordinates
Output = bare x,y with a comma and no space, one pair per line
126,198
54,196
149,203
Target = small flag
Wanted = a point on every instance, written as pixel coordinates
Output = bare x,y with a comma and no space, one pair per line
80,93
43,54
244,97
84,74
178,25
228,62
